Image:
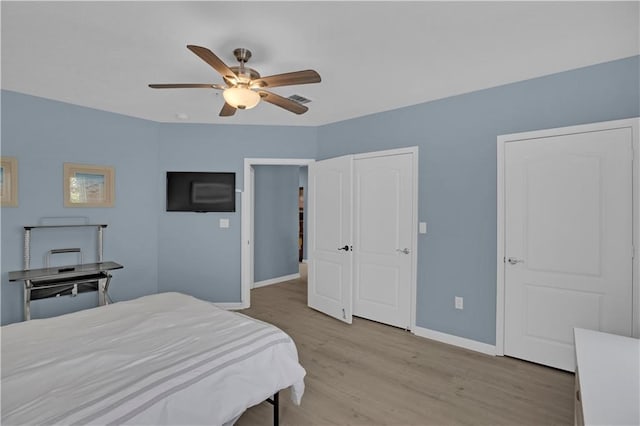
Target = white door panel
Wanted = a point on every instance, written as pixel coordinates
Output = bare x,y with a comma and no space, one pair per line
568,230
329,275
563,226
329,229
383,215
381,284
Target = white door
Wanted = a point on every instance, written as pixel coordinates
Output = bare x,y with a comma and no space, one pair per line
330,239
568,242
383,216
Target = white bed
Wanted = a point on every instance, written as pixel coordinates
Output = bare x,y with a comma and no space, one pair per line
161,359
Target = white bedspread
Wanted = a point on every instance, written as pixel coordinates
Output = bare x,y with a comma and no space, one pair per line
162,359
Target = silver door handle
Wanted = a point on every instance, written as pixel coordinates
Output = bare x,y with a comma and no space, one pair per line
513,260
405,250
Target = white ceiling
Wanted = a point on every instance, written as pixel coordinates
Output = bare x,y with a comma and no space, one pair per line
372,56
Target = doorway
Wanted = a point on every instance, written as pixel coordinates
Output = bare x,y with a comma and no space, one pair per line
247,219
275,224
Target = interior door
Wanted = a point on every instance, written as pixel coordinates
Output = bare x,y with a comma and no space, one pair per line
330,240
568,242
383,240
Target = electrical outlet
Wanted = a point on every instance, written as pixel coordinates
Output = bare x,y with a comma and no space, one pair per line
459,302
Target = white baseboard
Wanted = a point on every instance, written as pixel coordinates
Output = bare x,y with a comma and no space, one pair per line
450,339
305,261
230,306
276,280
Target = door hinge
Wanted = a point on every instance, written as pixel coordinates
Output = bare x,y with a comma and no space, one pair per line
344,314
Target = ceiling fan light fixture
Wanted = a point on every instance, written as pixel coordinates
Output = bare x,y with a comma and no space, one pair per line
241,97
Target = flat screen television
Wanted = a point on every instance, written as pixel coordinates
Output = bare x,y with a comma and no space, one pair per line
201,192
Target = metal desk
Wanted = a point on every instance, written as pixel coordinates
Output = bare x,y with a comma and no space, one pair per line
63,280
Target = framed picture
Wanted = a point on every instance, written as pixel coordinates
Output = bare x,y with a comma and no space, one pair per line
8,182
86,185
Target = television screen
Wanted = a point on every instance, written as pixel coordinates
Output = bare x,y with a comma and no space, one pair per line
201,192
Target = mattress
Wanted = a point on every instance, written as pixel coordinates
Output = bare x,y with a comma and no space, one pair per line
162,359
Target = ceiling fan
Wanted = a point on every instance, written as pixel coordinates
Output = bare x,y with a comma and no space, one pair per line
244,88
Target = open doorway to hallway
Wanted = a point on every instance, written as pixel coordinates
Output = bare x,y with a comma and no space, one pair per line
279,225
247,228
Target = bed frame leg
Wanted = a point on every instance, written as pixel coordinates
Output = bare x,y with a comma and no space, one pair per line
275,401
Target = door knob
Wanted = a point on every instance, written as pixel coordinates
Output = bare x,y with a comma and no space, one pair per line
345,248
513,260
404,250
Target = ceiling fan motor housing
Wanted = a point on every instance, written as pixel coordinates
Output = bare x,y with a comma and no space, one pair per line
244,74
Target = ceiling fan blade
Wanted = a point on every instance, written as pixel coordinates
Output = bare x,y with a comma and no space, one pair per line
187,86
287,79
227,110
210,58
285,103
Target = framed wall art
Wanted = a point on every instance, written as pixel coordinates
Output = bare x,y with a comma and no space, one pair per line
8,182
87,185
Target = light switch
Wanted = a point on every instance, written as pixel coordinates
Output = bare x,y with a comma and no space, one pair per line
224,223
459,302
423,227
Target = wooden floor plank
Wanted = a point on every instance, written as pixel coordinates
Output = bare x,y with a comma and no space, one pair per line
371,374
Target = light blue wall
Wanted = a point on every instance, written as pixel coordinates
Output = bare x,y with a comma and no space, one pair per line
275,222
195,256
43,135
457,174
190,253
160,251
304,184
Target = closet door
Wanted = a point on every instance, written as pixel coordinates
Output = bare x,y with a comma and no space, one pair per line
568,242
383,238
329,230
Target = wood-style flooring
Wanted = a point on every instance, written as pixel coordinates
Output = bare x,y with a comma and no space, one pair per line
371,374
